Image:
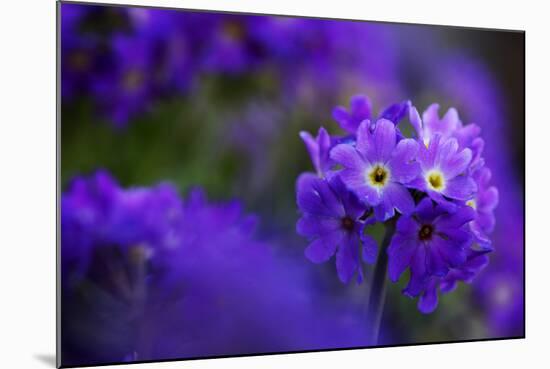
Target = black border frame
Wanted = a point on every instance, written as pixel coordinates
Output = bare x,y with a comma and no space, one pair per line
59,363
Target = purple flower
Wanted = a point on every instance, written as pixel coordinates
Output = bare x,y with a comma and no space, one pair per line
377,168
430,242
444,171
360,109
168,34
331,218
318,149
448,126
162,276
96,212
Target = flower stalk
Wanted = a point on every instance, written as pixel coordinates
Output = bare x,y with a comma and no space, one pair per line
378,287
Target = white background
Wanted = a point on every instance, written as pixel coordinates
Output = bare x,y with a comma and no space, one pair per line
27,183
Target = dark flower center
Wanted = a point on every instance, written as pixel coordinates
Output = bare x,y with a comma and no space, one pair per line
348,223
426,232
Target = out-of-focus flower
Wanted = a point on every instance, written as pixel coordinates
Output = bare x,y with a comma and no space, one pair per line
79,52
126,89
185,47
149,276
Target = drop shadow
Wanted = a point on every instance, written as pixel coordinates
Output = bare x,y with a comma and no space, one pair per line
47,359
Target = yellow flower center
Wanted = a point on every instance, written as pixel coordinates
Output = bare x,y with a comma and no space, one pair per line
378,176
436,180
472,203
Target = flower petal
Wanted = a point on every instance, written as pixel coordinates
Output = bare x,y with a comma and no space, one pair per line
311,225
347,258
402,165
315,196
426,155
400,253
461,188
370,248
399,198
488,200
396,112
418,273
364,138
384,140
416,122
384,210
428,300
322,248
457,164
451,254
454,221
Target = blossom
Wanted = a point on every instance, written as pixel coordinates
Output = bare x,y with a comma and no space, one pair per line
378,167
331,219
443,171
360,109
431,242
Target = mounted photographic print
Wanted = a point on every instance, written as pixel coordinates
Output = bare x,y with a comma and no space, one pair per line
243,184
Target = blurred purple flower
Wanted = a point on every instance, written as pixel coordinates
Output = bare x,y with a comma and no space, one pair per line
149,276
79,52
127,88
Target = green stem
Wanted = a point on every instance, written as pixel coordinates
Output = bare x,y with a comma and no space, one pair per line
378,286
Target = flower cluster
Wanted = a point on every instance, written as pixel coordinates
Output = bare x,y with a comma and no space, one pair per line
148,275
432,189
128,58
